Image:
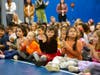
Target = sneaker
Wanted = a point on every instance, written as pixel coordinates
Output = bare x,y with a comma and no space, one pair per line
52,67
2,56
73,69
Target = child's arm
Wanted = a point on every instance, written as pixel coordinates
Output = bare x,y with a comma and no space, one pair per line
75,53
2,46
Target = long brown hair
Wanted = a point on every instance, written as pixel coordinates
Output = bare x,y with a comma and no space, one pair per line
98,44
76,38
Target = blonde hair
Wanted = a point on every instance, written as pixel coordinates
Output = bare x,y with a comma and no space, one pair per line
98,44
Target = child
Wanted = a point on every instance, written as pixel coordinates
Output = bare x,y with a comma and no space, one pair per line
33,28
11,52
52,20
3,39
95,47
32,46
40,31
21,33
48,43
62,36
29,46
72,46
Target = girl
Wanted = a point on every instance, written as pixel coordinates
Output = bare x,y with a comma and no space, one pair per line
32,46
29,46
62,36
21,33
48,44
72,46
40,31
95,47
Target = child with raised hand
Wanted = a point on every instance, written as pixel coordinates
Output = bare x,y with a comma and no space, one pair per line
95,47
32,46
72,46
62,36
29,47
21,33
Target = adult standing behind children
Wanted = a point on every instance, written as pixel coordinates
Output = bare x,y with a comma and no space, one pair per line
10,10
62,9
40,10
29,10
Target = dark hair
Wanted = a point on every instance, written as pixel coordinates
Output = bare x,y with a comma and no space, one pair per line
63,27
23,28
26,4
85,27
74,46
41,27
2,27
55,31
60,5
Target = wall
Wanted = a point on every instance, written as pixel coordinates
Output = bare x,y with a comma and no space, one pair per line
19,11
84,9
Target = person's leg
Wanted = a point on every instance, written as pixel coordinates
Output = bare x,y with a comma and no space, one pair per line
38,14
9,18
10,54
27,20
31,20
22,55
64,18
59,17
43,14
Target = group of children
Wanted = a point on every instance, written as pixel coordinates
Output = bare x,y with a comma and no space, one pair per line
41,43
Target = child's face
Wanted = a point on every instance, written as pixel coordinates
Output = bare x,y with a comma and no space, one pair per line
10,32
30,36
50,33
40,31
63,31
98,27
14,29
72,33
95,38
33,27
19,32
1,33
53,19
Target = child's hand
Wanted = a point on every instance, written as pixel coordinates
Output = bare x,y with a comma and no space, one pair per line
44,39
15,57
1,52
63,44
8,43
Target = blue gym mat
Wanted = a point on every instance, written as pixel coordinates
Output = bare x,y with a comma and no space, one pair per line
11,67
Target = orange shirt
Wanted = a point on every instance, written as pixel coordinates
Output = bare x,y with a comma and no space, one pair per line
33,47
74,53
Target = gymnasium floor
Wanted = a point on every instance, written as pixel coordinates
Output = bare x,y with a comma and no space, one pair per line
11,67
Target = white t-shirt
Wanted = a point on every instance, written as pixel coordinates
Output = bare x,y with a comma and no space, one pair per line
11,9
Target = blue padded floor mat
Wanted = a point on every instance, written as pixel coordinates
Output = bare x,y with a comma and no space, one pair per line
11,67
